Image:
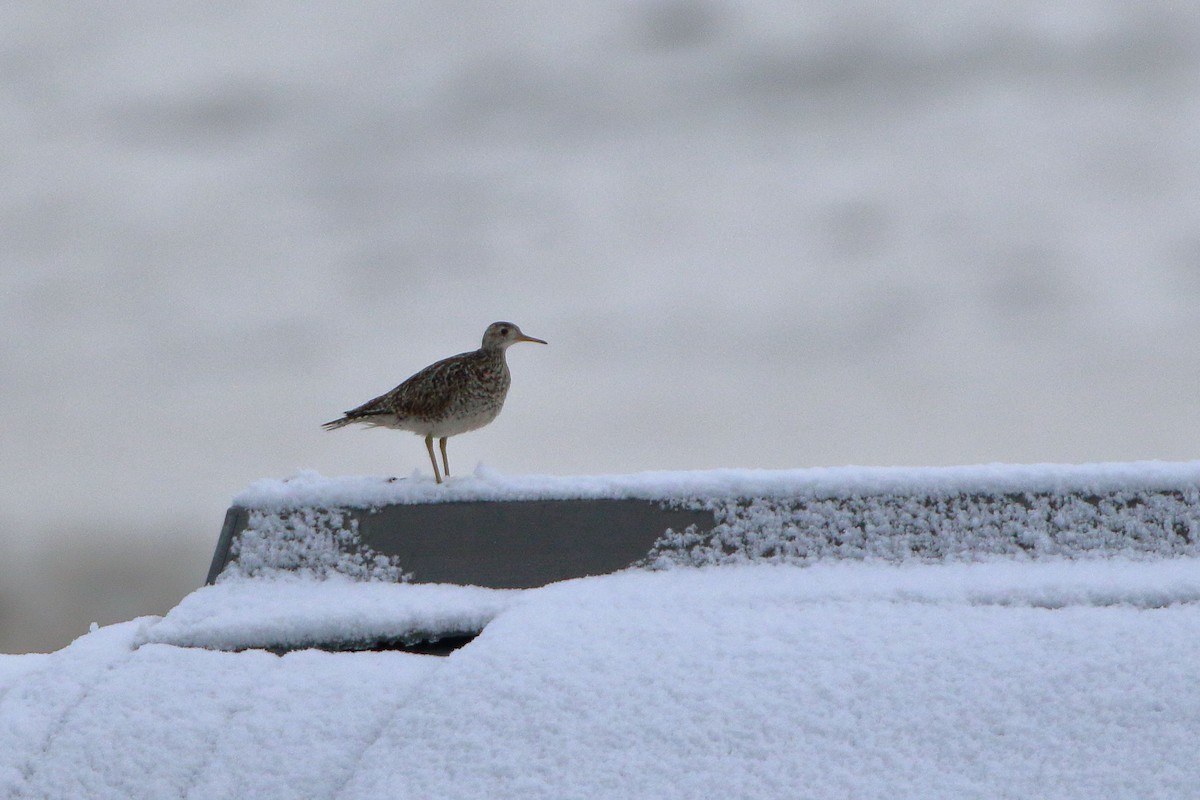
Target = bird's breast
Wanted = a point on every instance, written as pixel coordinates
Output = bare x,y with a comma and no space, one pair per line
475,401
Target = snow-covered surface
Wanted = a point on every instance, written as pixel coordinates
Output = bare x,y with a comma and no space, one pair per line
290,612
845,672
309,488
309,523
1049,680
306,542
902,527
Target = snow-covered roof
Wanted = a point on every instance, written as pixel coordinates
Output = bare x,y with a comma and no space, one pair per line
1056,678
1048,680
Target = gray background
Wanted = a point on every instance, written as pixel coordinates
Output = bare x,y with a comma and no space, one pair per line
756,234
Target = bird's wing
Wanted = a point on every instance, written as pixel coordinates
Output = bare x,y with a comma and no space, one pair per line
429,392
426,394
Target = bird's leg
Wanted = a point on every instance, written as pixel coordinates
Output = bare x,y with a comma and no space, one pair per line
445,463
432,460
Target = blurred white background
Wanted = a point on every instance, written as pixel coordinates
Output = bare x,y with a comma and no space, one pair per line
756,234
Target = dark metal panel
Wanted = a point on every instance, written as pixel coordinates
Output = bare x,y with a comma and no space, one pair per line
235,522
512,545
505,544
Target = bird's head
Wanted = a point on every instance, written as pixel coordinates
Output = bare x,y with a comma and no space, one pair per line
499,335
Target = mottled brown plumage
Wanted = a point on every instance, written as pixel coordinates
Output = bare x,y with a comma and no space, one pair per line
453,396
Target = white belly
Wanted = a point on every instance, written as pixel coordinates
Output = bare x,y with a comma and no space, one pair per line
452,426
457,425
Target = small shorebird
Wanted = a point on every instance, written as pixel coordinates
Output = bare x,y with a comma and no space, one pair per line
453,396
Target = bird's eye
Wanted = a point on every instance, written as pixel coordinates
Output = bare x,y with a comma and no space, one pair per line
504,331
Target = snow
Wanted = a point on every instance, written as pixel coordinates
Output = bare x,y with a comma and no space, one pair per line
309,488
293,612
1056,679
1151,509
107,720
307,542
837,672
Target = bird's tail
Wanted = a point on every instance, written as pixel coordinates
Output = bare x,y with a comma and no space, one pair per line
334,424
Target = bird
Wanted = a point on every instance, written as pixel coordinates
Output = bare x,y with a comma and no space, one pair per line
452,396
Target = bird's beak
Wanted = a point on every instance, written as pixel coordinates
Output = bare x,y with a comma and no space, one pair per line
524,338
